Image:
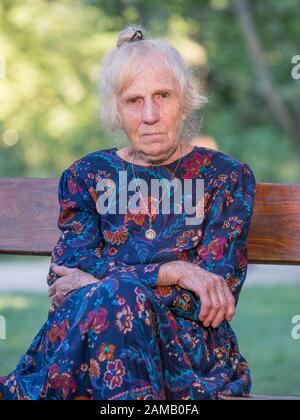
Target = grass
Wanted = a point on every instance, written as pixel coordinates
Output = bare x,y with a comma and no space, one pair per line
262,324
24,314
264,329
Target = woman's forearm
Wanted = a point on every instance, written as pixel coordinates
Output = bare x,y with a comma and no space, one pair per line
170,273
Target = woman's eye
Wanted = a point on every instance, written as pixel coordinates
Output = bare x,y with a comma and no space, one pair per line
137,100
134,100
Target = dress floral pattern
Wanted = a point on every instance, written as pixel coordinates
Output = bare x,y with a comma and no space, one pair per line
123,337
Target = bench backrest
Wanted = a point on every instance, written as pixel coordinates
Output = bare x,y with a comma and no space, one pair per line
29,212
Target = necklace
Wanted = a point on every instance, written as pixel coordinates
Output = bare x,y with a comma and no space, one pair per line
150,233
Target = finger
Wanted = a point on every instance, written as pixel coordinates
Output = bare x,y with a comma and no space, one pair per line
65,291
61,270
220,316
205,303
52,301
68,284
231,309
215,306
52,290
62,289
56,300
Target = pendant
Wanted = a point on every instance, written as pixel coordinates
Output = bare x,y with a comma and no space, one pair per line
150,234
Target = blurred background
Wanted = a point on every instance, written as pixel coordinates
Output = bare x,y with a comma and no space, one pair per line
241,52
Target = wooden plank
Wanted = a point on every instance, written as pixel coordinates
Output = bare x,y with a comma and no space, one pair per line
28,215
29,212
274,236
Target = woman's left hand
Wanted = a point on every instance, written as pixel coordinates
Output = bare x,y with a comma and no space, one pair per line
70,279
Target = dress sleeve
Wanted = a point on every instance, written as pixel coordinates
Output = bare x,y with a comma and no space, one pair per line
80,244
223,248
146,273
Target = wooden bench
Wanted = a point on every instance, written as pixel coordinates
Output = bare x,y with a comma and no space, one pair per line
29,213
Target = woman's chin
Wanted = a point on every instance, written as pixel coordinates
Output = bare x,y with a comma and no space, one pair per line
155,149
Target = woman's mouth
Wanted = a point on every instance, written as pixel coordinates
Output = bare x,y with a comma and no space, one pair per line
152,134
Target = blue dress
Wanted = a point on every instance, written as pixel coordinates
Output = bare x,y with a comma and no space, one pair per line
123,337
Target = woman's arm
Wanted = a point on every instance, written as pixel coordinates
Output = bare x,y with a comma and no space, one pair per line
81,244
223,248
216,275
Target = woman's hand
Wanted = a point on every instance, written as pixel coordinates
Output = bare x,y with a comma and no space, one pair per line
70,279
217,301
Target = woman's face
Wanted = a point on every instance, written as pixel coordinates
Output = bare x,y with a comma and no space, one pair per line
151,112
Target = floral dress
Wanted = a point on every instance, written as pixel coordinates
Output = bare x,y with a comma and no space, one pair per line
123,337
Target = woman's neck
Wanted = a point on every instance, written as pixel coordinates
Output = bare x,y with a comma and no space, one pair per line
139,158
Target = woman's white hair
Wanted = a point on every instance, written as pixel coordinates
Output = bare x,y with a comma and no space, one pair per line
121,64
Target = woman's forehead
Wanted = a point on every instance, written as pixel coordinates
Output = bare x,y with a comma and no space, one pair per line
150,78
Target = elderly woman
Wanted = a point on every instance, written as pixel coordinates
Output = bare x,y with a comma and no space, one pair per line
140,299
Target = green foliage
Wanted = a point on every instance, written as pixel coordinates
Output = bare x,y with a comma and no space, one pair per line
263,325
25,315
53,52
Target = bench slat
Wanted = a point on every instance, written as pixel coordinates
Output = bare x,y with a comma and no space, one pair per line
29,212
274,236
28,215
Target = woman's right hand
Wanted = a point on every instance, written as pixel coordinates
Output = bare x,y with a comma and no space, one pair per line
217,301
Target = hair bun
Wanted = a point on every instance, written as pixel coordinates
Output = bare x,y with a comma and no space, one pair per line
130,34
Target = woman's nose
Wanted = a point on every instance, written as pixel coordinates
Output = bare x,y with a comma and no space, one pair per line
150,112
